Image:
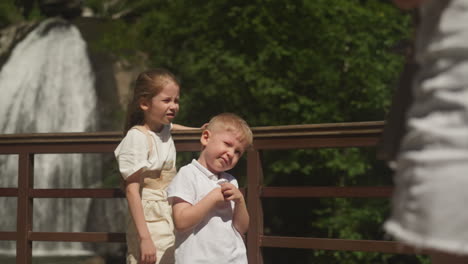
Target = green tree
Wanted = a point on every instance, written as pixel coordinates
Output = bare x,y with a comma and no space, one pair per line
9,13
278,63
302,62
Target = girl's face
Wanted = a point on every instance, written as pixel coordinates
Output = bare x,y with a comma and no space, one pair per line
162,108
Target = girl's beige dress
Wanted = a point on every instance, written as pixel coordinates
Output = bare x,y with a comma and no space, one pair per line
154,154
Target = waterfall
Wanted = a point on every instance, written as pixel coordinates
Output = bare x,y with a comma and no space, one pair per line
47,85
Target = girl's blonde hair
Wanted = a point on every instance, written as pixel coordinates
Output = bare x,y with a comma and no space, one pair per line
147,85
232,122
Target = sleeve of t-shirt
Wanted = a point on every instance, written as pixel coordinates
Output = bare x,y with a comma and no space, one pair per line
231,179
132,153
183,186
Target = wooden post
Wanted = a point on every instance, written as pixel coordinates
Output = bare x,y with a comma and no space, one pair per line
254,203
25,208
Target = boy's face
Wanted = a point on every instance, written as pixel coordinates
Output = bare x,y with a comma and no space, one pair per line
222,149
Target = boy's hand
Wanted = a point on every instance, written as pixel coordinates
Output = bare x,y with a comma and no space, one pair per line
147,251
231,193
217,196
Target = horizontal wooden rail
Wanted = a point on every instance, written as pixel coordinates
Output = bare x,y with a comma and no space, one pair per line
311,130
60,138
77,236
271,137
288,131
338,244
6,235
55,148
76,193
8,192
322,192
336,135
359,134
96,237
266,192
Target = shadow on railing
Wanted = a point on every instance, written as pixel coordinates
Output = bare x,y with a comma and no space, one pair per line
362,134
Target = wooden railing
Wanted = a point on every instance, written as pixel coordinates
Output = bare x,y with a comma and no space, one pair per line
363,134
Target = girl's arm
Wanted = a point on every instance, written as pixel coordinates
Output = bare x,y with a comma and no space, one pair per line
181,127
132,192
187,216
240,218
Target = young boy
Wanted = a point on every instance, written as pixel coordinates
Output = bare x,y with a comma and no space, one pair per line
209,211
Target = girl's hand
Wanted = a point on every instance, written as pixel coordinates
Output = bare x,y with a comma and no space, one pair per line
147,251
407,4
231,193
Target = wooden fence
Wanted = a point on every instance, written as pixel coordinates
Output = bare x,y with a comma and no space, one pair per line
362,134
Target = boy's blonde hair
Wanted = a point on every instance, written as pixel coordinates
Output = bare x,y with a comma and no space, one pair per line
232,122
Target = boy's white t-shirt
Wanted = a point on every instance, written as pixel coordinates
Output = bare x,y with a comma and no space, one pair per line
215,240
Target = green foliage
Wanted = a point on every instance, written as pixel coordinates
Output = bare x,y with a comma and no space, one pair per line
266,52
9,13
13,11
286,62
277,63
353,219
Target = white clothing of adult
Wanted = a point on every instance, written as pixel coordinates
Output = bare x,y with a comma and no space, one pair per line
215,240
155,155
431,181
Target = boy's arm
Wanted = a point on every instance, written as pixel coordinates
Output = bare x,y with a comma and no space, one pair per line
240,218
187,216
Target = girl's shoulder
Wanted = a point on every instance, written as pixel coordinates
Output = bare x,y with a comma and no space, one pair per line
134,141
138,129
134,138
136,133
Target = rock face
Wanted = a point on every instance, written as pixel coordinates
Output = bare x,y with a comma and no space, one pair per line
65,8
113,78
105,78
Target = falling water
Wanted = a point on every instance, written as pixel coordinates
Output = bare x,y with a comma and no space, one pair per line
47,85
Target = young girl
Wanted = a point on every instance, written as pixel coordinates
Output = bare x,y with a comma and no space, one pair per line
146,158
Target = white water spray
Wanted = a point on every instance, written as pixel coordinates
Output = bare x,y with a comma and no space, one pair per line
47,85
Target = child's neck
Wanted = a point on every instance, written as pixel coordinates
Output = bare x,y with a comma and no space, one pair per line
201,160
154,127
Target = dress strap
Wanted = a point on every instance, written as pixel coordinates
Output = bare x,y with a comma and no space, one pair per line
148,136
